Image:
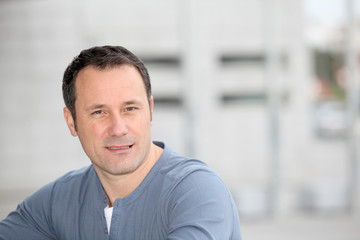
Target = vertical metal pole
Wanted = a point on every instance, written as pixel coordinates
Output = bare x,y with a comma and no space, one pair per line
187,68
199,68
352,100
272,71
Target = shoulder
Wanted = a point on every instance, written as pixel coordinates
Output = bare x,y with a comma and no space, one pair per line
197,180
75,184
33,217
180,169
64,185
176,166
196,198
77,175
185,175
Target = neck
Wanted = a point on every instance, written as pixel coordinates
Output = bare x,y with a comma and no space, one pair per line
120,186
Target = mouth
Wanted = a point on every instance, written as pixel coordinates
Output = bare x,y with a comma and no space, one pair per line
119,148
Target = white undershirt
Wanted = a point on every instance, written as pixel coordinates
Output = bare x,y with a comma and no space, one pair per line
108,214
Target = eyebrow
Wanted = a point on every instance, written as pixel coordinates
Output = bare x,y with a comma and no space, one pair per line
131,102
97,106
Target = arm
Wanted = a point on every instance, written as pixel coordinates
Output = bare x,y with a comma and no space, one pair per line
201,207
31,219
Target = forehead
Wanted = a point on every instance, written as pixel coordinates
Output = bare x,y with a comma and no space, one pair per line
123,79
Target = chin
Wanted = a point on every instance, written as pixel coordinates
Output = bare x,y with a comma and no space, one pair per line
123,170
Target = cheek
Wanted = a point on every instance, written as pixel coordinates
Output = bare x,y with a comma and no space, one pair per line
140,127
91,132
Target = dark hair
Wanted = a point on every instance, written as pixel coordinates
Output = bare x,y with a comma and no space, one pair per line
100,58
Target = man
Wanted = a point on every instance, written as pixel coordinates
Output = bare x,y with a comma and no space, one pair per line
134,188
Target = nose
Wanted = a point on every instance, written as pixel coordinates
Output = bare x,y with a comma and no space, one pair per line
117,126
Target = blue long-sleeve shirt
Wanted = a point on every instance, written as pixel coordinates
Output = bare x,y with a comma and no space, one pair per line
180,198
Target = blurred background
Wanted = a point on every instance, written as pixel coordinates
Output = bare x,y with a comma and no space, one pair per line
264,91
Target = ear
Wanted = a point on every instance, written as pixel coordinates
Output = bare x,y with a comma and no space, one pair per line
151,107
70,121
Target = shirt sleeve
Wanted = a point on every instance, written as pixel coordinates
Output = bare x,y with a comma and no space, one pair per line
31,219
201,207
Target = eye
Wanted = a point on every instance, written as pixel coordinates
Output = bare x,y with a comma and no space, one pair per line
129,109
98,112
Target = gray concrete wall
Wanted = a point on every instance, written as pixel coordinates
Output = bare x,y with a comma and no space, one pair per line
218,48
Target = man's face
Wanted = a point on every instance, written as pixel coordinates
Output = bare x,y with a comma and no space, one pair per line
113,118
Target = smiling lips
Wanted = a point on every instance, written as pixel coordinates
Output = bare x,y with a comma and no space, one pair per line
119,148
